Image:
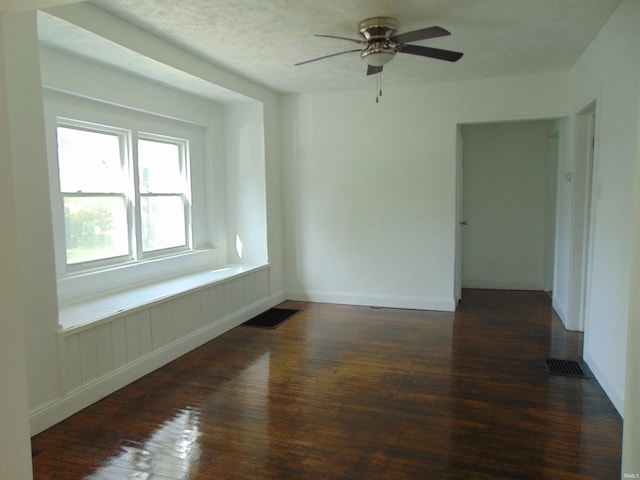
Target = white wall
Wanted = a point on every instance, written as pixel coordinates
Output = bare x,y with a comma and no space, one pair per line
631,433
608,73
551,193
15,459
245,183
505,203
370,189
34,229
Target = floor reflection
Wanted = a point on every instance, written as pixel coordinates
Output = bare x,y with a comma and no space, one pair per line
235,419
172,450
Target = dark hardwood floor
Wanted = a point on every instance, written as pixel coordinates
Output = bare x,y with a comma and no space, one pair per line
343,392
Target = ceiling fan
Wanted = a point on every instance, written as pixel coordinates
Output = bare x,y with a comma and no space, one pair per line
380,43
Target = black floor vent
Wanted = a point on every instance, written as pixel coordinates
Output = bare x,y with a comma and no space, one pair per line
272,318
567,368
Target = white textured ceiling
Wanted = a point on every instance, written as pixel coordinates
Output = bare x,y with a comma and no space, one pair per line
262,39
60,34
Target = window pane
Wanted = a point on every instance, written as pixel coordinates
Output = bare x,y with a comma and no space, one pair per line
96,228
163,224
159,167
89,161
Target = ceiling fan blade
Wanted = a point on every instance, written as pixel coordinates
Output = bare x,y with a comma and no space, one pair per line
422,34
361,42
448,55
328,56
372,70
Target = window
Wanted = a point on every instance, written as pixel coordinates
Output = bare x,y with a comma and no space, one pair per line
125,194
137,191
163,199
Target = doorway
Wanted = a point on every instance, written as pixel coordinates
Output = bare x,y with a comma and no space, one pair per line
507,187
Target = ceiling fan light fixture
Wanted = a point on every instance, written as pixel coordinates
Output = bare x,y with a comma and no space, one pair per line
377,59
377,54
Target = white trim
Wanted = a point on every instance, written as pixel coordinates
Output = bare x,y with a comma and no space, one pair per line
584,158
504,284
512,118
374,300
53,412
561,311
611,386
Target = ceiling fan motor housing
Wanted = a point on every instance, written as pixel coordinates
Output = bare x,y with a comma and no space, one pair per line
378,28
377,31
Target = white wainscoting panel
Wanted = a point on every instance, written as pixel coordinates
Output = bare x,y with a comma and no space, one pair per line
99,358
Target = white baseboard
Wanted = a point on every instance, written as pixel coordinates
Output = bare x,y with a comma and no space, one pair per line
278,297
561,311
503,284
57,410
389,301
613,388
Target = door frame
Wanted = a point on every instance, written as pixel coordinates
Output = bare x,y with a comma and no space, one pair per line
458,226
582,216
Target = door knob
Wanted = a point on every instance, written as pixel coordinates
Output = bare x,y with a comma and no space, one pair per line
463,222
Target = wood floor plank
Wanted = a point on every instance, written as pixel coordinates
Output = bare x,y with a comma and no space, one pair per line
345,392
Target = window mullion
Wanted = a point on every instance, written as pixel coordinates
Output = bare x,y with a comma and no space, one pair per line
186,193
135,197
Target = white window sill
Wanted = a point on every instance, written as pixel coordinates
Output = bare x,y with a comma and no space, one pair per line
72,317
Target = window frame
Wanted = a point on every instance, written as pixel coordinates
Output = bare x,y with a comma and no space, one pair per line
183,145
125,156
